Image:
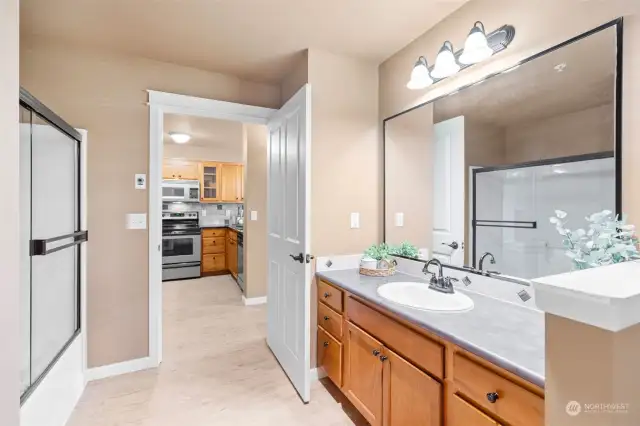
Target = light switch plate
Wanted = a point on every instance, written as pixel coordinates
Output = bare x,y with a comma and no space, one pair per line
141,181
399,219
137,221
254,215
355,220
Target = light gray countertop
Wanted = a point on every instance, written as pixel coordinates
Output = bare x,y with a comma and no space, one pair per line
508,335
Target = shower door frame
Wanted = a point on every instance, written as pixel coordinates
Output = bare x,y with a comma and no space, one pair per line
545,162
38,247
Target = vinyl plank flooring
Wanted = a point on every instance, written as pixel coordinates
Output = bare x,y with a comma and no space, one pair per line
217,370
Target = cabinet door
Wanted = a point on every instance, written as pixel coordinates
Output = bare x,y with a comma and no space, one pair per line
232,257
241,183
230,183
410,396
363,374
461,413
210,182
188,171
177,169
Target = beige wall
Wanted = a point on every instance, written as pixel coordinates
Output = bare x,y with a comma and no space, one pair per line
582,132
539,25
297,77
204,153
9,217
105,94
255,241
409,178
345,154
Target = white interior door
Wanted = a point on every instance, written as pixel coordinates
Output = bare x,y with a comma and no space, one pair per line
289,272
448,191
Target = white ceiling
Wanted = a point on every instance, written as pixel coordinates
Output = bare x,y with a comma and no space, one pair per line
204,132
535,90
253,39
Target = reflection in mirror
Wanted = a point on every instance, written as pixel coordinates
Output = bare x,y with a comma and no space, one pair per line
482,170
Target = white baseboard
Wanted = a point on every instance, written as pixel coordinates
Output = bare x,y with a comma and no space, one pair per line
317,374
254,300
53,401
119,368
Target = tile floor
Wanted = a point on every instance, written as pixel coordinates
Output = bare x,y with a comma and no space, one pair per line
217,370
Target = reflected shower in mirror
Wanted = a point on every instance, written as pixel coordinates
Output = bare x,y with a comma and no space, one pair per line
482,170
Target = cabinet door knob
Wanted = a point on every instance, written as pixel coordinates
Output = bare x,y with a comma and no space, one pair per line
326,318
326,295
492,397
325,344
383,358
376,352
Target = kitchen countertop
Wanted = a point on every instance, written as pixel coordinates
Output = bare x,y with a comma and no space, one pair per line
232,227
510,336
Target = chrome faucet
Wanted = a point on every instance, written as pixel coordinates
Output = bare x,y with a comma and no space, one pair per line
438,282
483,257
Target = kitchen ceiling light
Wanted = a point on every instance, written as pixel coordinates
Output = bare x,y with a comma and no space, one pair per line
446,64
179,137
420,77
476,48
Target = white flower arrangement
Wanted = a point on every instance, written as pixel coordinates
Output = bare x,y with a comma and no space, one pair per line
608,240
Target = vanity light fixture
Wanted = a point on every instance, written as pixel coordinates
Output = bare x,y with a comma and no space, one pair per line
446,64
420,77
179,137
476,48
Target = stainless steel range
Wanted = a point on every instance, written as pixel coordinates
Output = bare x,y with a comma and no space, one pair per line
180,246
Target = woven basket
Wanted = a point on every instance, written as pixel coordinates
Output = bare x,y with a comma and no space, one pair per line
378,272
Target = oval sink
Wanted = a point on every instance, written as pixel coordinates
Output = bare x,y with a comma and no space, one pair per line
420,296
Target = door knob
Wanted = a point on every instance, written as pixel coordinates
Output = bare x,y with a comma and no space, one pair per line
298,258
454,245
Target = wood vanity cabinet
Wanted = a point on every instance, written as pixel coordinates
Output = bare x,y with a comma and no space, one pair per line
398,374
178,169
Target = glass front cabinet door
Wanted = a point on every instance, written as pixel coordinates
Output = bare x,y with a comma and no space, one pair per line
210,182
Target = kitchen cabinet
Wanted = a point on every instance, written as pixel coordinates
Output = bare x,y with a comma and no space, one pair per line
210,182
232,183
214,259
396,373
213,263
182,170
232,253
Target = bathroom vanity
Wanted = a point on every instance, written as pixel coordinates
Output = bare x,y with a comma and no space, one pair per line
402,367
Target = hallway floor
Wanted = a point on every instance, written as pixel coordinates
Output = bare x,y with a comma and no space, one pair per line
217,370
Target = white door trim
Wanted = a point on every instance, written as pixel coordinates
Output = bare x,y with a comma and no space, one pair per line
161,103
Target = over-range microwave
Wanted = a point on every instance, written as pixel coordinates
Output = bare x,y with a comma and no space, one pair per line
186,191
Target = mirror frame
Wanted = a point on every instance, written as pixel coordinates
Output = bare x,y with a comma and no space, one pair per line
619,25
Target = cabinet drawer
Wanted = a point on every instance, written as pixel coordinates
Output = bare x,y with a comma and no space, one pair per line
330,356
461,413
213,262
413,346
330,295
330,320
214,232
213,245
515,404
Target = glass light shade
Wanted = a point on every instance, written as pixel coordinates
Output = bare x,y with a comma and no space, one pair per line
420,77
446,64
476,48
180,137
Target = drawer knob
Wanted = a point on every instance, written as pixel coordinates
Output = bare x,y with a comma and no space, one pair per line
376,352
325,344
326,318
383,358
492,397
326,295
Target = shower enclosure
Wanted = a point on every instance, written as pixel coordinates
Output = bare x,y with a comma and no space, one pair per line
51,235
512,206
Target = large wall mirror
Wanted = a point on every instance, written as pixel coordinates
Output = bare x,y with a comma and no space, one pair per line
483,169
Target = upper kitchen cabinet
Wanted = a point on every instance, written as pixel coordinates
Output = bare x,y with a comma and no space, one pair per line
178,169
210,182
232,183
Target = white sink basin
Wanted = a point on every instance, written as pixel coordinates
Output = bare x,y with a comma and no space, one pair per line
420,296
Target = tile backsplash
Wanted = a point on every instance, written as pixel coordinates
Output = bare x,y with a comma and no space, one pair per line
210,214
